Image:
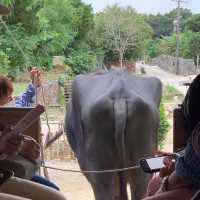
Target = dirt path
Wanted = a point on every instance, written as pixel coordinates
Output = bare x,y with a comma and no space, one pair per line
73,185
166,77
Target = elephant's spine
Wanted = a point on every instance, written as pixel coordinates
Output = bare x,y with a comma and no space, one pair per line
120,113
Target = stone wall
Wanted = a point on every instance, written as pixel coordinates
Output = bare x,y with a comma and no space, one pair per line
168,63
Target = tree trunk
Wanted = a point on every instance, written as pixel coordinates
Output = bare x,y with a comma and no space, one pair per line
198,56
121,58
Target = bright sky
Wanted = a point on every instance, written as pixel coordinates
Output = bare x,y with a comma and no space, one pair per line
146,6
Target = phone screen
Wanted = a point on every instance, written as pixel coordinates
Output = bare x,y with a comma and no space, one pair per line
155,163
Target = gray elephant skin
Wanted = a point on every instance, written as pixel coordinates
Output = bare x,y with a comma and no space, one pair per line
112,122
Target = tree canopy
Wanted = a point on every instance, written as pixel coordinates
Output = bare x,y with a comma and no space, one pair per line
193,23
37,30
162,24
120,30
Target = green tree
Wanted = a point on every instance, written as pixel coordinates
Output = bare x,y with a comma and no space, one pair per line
44,28
151,48
82,61
119,31
193,23
167,45
195,48
162,24
4,63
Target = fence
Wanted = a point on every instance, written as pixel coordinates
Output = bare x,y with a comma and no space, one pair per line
59,149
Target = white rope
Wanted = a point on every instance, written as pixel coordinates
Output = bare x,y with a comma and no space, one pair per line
93,171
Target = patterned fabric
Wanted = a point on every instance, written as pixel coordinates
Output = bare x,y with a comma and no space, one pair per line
188,165
27,97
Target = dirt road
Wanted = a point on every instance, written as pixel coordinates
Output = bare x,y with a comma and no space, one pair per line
166,77
73,185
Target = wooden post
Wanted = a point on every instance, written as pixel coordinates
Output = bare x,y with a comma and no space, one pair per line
179,133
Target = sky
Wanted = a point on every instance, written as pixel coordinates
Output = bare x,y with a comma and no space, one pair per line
146,6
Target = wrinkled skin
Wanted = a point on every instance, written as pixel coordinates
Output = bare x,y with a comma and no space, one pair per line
112,122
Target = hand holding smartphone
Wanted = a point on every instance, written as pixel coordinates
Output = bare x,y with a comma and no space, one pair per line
151,165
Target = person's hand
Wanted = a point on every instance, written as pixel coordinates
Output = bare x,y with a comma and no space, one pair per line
35,76
169,167
30,149
168,162
10,144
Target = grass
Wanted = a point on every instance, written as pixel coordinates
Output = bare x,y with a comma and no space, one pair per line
169,92
19,88
21,85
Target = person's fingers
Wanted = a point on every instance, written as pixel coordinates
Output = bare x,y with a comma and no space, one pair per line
163,172
31,148
171,165
162,153
166,161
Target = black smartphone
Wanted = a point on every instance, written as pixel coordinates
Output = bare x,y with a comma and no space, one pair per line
151,165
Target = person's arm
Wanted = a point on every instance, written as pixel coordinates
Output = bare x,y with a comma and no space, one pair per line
27,97
9,145
30,149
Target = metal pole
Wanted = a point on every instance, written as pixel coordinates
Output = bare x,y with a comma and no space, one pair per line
178,38
177,26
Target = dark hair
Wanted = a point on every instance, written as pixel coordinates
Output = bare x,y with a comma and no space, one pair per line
191,108
5,86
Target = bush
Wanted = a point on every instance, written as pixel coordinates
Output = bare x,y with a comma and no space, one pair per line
68,75
81,61
4,63
164,126
169,92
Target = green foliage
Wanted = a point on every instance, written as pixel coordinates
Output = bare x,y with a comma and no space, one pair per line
17,60
151,48
4,63
195,46
169,92
47,28
193,23
164,126
68,75
19,88
167,45
61,97
185,38
120,31
7,2
43,29
162,25
81,61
